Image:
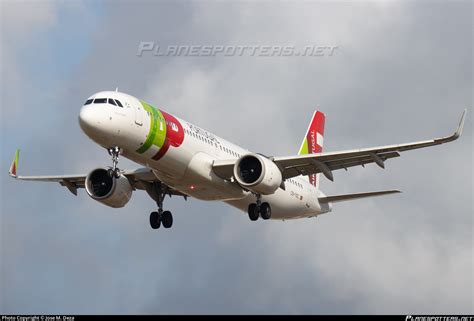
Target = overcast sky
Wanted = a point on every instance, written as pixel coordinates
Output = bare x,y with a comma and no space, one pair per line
402,72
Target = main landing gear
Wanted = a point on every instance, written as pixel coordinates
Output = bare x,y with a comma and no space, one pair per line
259,209
161,217
114,170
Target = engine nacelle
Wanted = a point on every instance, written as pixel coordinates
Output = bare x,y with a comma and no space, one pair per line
257,174
111,191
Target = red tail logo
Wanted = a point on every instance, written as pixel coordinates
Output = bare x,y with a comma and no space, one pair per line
313,142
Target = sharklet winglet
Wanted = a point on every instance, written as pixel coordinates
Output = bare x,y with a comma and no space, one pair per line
14,166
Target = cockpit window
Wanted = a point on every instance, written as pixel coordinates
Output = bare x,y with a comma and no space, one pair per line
118,102
88,101
111,101
100,101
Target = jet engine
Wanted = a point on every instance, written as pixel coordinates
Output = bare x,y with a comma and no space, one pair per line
111,191
257,174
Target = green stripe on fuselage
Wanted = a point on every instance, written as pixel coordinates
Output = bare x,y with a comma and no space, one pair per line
157,134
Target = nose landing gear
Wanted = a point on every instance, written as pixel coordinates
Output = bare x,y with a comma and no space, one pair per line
114,170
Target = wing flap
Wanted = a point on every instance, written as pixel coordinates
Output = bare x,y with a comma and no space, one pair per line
309,167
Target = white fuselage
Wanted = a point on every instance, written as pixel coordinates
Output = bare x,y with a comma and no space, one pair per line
185,163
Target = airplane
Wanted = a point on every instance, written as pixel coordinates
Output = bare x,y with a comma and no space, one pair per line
182,159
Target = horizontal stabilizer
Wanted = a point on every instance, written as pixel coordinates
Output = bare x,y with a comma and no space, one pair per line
348,197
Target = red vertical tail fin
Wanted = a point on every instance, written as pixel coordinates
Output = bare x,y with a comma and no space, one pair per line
313,141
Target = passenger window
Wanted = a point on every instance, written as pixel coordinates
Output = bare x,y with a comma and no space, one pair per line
118,102
111,101
88,101
100,100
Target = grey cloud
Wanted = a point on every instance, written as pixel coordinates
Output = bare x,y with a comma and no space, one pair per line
403,72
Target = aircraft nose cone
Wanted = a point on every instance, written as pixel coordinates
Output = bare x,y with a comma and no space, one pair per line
85,116
87,119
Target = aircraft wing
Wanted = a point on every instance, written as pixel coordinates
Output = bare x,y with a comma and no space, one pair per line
141,178
325,163
350,197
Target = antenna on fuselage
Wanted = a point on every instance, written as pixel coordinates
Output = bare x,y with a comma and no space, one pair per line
116,89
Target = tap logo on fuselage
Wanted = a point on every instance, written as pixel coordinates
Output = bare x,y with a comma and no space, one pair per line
161,136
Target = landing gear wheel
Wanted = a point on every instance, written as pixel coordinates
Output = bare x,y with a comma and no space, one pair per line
155,220
265,211
158,193
167,219
113,172
253,212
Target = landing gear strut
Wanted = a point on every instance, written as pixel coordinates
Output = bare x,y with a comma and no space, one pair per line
114,152
259,209
160,217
